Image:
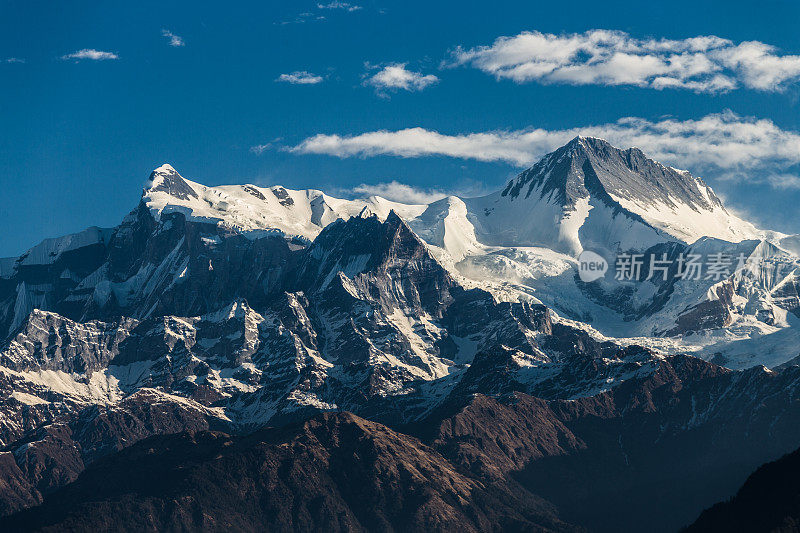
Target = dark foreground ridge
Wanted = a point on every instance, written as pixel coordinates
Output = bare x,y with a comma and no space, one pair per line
635,458
768,501
335,472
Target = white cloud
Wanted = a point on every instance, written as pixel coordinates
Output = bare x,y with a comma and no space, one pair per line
339,5
784,181
399,192
90,53
301,18
759,65
174,40
724,144
12,60
300,77
309,16
511,147
707,64
396,76
260,148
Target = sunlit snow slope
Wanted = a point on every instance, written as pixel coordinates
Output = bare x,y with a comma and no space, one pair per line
521,242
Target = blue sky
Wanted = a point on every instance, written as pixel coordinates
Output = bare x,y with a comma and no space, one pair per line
93,95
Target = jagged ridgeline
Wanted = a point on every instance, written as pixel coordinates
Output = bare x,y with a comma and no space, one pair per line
221,310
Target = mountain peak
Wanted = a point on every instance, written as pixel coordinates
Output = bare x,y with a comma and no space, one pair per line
589,187
166,167
587,142
167,180
589,166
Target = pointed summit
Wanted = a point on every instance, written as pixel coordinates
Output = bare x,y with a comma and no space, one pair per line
590,194
166,167
589,166
575,141
394,219
166,179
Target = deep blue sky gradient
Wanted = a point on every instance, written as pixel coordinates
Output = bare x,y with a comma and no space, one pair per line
78,140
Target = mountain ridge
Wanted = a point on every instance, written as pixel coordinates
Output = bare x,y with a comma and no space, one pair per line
236,307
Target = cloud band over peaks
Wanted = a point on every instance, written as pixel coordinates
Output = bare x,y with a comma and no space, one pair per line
725,144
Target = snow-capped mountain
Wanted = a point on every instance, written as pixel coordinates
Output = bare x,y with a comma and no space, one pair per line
365,319
597,196
258,211
239,306
189,250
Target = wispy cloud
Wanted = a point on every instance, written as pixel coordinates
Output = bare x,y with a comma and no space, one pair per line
339,5
300,77
301,19
784,181
395,76
399,192
91,54
310,16
410,194
724,144
174,40
706,64
12,60
260,148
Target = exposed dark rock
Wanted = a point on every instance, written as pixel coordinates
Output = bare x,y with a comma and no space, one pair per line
711,314
587,164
